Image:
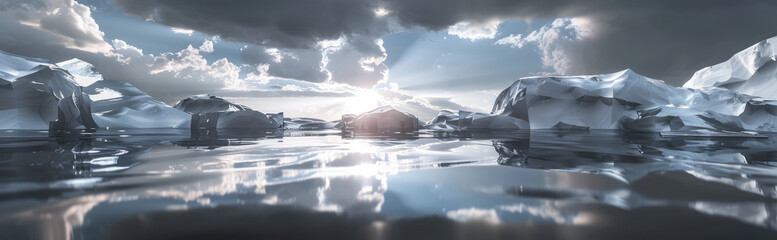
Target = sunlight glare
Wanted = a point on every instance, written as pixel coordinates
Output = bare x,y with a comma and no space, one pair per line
361,102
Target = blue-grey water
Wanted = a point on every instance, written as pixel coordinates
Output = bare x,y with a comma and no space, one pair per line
167,184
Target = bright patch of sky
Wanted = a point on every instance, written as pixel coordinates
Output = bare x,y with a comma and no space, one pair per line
436,62
427,64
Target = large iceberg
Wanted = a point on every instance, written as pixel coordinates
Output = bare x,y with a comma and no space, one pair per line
381,120
119,105
211,112
628,101
752,71
37,94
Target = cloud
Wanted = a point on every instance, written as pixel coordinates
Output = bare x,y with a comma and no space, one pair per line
286,36
285,24
474,214
169,76
206,46
357,60
475,31
190,64
67,22
554,41
182,31
299,64
664,39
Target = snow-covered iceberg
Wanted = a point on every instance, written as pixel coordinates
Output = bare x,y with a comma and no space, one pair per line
381,120
752,71
626,100
37,94
464,120
84,73
211,112
119,105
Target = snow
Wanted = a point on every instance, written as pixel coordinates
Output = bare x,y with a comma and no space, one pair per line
36,94
752,71
464,120
623,100
119,105
72,94
105,94
84,73
14,66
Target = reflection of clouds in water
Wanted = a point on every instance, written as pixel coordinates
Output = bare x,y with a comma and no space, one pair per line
350,176
58,220
754,213
474,214
631,158
545,210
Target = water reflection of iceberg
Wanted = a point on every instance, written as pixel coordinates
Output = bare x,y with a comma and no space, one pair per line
720,176
564,178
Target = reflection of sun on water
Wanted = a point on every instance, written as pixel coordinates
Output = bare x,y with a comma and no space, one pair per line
362,101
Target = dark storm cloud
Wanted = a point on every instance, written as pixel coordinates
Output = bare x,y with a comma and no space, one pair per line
664,39
290,24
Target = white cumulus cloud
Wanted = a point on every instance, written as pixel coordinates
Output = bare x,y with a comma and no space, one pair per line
554,41
182,31
475,31
206,46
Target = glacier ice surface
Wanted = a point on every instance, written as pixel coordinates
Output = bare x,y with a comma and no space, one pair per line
463,120
83,72
119,105
37,94
752,71
623,100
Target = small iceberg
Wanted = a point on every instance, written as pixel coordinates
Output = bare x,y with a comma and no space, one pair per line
384,119
211,112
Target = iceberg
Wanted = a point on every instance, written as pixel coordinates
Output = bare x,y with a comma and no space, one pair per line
444,121
37,94
84,73
381,120
308,124
627,101
752,71
464,120
207,104
119,105
211,112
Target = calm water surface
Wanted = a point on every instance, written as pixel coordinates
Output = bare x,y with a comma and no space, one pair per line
164,184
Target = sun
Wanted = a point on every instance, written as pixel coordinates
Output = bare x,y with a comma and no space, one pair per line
362,101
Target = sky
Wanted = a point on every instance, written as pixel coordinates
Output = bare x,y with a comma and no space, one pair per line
325,58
